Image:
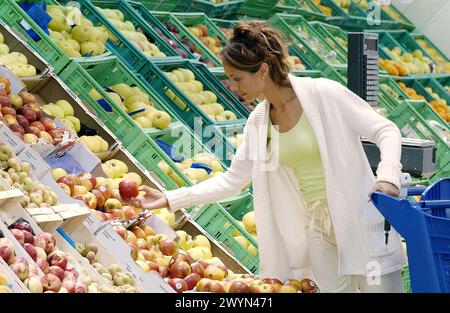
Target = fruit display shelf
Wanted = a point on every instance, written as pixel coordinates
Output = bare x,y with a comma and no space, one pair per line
121,43
159,5
223,9
444,82
416,119
435,90
221,226
18,20
436,54
301,7
194,115
334,35
313,46
402,21
16,52
175,26
121,125
256,8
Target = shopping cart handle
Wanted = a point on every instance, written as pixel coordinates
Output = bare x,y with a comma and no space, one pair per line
416,190
435,204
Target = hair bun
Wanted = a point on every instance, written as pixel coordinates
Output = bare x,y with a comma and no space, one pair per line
243,32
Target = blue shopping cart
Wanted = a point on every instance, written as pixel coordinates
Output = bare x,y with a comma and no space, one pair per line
425,225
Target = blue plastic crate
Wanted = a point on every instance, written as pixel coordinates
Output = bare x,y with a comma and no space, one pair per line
425,225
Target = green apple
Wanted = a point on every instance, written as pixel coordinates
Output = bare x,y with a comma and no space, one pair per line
82,33
66,107
161,119
122,89
88,47
228,115
144,122
134,177
210,96
58,23
56,111
179,75
75,122
115,97
198,86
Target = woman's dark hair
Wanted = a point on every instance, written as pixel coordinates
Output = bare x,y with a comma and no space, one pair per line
254,43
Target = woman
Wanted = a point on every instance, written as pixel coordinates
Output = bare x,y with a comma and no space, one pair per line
312,180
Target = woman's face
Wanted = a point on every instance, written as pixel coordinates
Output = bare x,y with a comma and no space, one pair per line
249,85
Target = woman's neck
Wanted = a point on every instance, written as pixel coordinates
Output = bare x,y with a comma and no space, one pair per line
279,96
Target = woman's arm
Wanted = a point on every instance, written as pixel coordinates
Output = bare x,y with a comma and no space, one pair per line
219,187
385,134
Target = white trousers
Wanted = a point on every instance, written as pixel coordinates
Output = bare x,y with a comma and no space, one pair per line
324,260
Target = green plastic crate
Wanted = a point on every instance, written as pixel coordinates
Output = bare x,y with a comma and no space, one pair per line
394,94
336,35
413,119
238,206
207,56
220,225
355,19
257,8
288,25
191,114
17,19
124,47
440,56
436,88
192,19
444,82
301,7
441,173
223,10
161,5
130,135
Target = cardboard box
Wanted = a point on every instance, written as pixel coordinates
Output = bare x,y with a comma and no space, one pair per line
38,166
16,84
17,43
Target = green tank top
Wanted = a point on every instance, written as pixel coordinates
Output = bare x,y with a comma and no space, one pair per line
299,150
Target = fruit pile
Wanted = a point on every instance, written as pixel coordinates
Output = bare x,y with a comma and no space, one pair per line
195,173
188,44
136,36
63,110
15,61
325,9
18,175
214,44
26,272
4,284
104,195
392,67
122,281
95,144
391,91
206,100
438,104
442,64
317,46
411,63
24,116
248,223
74,33
138,104
344,4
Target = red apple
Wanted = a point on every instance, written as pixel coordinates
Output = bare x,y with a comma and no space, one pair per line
10,120
81,287
180,269
263,288
239,287
33,130
69,284
128,212
141,243
47,123
4,100
18,234
20,268
38,125
29,238
92,200
214,286
153,266
178,284
66,180
70,269
106,192
8,111
128,189
168,247
198,268
76,180
31,250
272,281
28,112
294,283
37,110
65,188
180,257
164,271
7,254
57,258
82,198
42,263
99,196
48,240
51,282
192,280
56,133
308,286
24,226
88,177
56,270
27,97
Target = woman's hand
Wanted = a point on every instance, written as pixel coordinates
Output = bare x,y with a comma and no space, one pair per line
152,199
385,187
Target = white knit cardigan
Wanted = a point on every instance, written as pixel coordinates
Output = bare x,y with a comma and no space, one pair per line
339,118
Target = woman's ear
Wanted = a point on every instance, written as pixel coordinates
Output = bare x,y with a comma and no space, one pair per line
264,69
